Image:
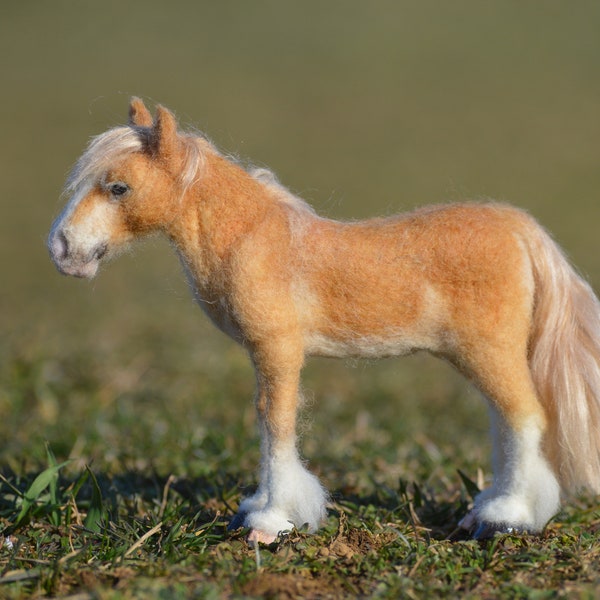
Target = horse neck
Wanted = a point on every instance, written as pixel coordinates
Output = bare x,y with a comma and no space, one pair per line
224,205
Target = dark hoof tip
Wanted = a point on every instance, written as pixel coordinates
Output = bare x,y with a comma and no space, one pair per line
486,530
237,522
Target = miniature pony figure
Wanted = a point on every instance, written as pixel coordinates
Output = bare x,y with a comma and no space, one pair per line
481,285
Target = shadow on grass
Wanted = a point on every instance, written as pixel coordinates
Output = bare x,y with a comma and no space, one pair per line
432,515
96,501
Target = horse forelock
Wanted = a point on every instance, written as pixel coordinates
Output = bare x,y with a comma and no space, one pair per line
108,147
100,154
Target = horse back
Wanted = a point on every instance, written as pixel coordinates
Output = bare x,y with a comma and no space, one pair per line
417,281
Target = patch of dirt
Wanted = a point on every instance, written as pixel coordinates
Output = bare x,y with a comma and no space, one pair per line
288,586
349,545
349,541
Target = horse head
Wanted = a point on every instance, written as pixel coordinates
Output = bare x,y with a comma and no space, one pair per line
127,184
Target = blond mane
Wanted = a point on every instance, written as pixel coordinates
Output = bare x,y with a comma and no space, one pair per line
112,145
278,191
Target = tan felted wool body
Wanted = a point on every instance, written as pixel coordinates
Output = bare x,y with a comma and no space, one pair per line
481,285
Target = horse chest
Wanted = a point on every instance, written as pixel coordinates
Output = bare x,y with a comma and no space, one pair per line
220,313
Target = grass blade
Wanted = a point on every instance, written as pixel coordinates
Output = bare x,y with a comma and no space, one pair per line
40,483
96,511
53,488
471,487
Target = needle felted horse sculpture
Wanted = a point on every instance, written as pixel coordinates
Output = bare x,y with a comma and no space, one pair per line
481,285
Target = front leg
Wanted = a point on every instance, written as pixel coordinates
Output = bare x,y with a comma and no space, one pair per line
288,495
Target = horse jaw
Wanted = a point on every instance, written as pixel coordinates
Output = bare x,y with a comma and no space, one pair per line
82,271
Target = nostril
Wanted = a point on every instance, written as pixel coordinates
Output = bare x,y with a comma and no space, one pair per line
59,246
100,251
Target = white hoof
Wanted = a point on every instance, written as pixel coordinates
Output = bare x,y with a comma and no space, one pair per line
510,511
260,537
267,524
469,521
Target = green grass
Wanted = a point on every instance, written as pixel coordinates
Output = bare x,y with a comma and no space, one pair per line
146,463
363,109
151,536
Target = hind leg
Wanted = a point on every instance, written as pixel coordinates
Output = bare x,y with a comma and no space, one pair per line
525,493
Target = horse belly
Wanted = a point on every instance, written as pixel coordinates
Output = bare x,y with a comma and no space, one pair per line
365,346
396,325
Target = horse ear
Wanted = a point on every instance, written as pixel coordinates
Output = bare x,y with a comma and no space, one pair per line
164,142
139,115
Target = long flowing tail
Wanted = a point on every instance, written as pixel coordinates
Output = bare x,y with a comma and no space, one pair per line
565,363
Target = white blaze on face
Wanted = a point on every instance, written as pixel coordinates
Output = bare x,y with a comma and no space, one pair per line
77,245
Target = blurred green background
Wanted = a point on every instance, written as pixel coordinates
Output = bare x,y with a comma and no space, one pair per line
362,108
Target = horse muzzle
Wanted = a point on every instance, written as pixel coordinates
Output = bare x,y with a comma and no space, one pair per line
76,263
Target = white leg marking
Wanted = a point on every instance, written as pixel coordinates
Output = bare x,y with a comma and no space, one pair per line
525,493
294,497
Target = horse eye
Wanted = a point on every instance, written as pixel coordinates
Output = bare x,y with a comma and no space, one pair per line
118,189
